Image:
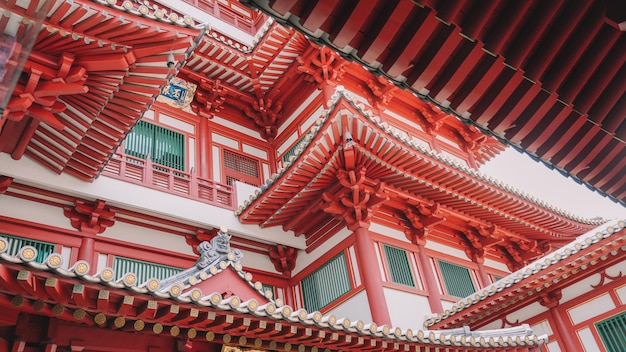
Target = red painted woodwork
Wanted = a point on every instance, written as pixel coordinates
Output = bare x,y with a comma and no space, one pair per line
508,68
283,258
370,274
184,184
90,217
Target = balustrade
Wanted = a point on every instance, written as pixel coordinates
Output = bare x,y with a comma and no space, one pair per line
185,184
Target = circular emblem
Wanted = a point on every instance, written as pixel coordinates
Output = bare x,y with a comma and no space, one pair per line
252,305
196,294
54,260
173,17
127,5
81,268
157,328
175,290
3,245
28,253
192,333
248,276
243,341
153,284
174,331
270,308
107,274
286,311
216,298
139,325
119,322
79,314
210,336
100,318
227,338
287,346
143,10
130,279
234,302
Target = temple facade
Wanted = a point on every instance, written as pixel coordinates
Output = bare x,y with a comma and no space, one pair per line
195,176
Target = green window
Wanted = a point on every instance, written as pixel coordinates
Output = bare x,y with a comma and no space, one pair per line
44,249
457,279
292,150
612,331
165,147
143,270
399,266
326,284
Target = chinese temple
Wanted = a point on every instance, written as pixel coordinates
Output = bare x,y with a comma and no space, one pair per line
268,175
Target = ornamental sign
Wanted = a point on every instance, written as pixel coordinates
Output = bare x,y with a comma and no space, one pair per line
178,93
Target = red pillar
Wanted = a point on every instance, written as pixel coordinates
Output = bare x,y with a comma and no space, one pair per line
482,275
432,287
370,275
86,252
563,330
205,149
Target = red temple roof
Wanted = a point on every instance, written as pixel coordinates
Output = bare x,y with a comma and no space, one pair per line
398,168
549,79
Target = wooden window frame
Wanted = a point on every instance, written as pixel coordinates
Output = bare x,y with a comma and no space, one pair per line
390,267
444,282
154,129
241,177
335,296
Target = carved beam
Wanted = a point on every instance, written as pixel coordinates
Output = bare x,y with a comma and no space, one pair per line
90,217
283,258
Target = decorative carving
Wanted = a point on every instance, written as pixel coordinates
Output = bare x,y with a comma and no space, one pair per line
550,299
200,236
265,115
321,65
210,97
283,258
604,275
211,254
382,91
357,200
90,217
421,218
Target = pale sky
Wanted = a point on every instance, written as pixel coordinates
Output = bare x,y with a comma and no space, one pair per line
527,175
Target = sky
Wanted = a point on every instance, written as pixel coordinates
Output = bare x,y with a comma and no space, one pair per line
532,177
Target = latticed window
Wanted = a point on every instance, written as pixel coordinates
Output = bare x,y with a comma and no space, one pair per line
164,146
326,284
612,331
44,249
143,270
241,168
399,266
457,279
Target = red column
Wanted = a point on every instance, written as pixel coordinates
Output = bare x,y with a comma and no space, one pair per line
370,275
432,287
563,330
482,275
86,252
205,149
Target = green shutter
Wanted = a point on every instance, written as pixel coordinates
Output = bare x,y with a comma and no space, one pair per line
268,288
457,279
143,270
165,147
399,267
326,284
612,331
292,150
44,249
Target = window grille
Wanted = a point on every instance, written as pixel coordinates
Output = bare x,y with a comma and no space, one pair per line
44,249
241,168
612,331
457,279
399,266
326,284
143,270
165,147
292,150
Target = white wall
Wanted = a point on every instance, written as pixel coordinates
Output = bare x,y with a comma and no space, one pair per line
33,211
125,232
355,308
406,310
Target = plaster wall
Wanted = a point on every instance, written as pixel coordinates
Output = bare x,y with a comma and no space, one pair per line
34,211
406,310
355,308
306,259
147,237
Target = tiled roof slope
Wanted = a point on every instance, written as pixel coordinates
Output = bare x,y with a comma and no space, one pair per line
551,272
473,179
308,329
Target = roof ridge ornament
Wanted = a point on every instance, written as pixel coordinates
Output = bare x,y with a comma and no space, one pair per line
212,254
